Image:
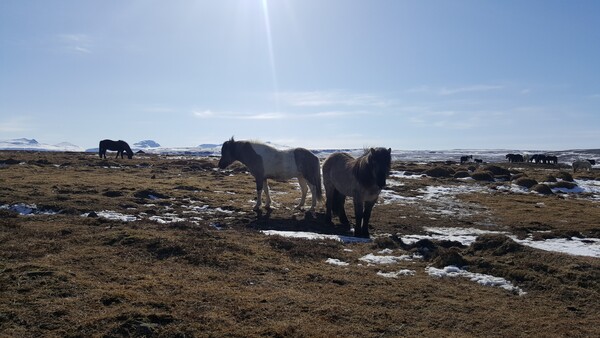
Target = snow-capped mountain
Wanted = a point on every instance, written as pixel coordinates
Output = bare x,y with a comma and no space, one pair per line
146,144
32,144
213,149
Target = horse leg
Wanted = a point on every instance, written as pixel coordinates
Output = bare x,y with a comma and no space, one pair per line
304,189
358,214
368,208
329,205
267,195
313,192
340,201
259,189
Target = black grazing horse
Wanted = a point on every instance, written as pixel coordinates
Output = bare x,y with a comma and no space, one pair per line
120,146
464,159
514,158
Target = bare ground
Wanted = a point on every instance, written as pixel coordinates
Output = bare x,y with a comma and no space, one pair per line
215,274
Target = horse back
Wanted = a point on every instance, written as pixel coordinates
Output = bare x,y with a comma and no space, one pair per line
338,173
277,164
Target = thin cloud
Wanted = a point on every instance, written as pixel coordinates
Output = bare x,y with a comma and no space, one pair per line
469,89
204,114
15,125
264,116
446,91
209,114
335,114
332,98
76,43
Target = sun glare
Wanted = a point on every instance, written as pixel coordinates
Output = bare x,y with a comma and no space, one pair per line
265,9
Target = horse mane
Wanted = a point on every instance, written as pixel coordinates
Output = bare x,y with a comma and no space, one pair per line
361,168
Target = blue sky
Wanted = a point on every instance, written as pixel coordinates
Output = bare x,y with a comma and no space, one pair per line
319,74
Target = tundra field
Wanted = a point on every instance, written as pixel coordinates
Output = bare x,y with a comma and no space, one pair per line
170,247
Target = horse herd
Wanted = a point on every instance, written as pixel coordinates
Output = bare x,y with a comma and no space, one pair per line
536,158
550,159
360,178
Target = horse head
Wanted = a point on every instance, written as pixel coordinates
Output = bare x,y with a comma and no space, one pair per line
227,153
381,161
125,147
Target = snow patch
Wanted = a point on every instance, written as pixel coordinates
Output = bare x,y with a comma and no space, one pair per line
167,218
573,246
481,279
335,261
465,236
313,236
27,209
396,274
387,259
113,215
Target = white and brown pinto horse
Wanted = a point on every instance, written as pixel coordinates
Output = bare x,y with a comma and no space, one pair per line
265,162
361,178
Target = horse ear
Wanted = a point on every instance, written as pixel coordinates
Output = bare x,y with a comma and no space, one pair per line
390,150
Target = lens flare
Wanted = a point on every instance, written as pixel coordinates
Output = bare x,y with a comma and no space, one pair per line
265,8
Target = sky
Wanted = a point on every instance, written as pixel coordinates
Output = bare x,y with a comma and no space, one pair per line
411,75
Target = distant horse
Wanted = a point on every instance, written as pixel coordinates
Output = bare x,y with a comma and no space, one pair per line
552,159
513,158
361,178
538,158
581,165
120,146
464,159
266,162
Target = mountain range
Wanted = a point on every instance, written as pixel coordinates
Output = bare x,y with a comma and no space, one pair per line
213,149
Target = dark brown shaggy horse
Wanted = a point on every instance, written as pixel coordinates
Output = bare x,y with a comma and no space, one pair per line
361,178
265,162
119,146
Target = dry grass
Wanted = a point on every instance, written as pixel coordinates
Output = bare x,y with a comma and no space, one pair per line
72,276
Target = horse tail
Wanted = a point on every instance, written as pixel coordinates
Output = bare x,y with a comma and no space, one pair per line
308,165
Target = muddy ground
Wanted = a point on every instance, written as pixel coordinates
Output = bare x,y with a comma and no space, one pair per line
191,260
